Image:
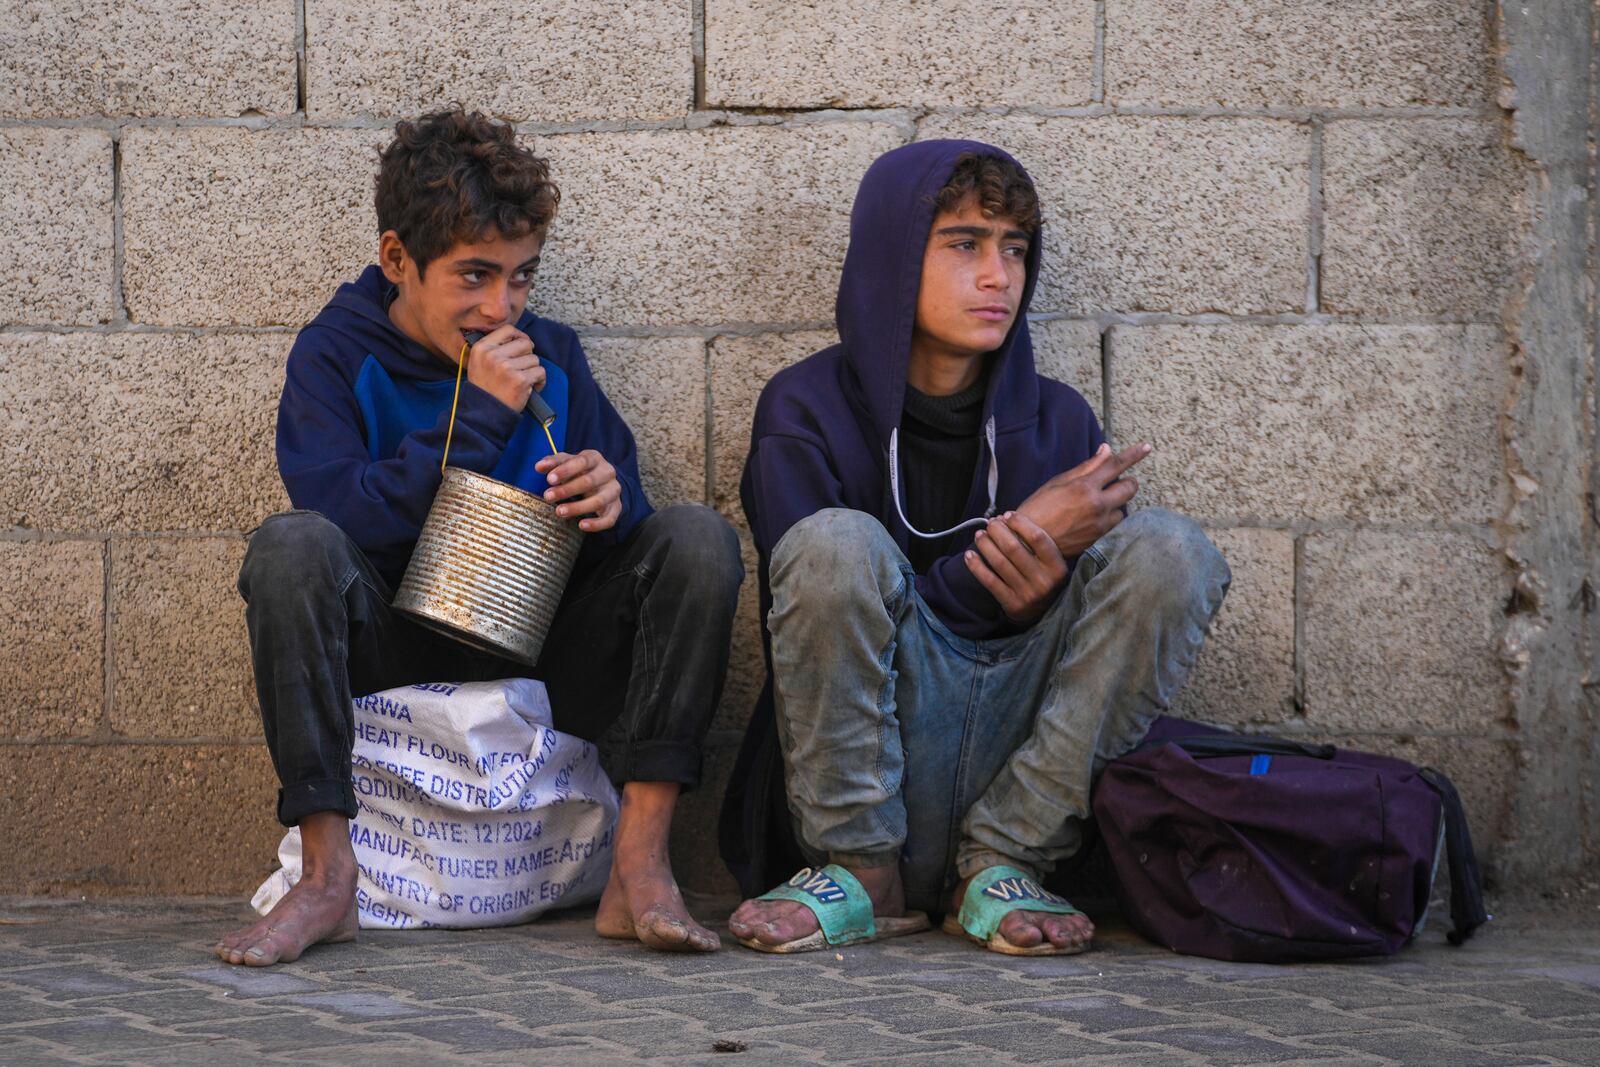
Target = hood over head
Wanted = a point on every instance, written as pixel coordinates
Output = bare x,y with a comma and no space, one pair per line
877,306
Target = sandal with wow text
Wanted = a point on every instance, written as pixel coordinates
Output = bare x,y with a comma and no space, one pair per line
996,892
843,909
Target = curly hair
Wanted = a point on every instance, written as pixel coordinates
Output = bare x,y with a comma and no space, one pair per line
1000,187
452,176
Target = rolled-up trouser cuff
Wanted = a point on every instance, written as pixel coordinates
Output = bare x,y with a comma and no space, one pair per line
971,863
655,761
297,801
864,860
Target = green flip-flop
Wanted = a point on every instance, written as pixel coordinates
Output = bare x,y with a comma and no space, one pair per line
996,892
843,910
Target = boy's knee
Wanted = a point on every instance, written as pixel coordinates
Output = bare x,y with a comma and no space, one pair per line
289,547
835,561
830,539
1172,549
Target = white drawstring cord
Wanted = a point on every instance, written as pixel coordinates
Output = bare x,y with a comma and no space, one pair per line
994,483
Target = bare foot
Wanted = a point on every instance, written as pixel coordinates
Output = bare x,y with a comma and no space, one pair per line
641,900
1025,929
321,908
777,922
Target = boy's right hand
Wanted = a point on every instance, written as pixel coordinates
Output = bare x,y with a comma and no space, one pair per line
1079,506
503,365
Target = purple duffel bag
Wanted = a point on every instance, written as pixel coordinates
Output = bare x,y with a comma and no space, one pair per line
1264,849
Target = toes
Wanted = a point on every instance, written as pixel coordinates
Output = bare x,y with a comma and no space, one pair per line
1060,932
743,919
703,940
1067,931
674,934
662,930
263,953
1021,928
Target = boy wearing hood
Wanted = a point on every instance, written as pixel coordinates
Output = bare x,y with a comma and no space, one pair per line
962,625
636,655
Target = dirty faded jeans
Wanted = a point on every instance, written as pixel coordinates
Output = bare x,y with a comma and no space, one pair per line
904,741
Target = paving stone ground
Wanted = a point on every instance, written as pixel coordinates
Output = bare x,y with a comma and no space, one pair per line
131,982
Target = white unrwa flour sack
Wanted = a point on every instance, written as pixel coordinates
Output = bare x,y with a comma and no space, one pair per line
473,811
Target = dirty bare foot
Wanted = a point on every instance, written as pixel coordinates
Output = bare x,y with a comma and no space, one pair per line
320,909
641,900
777,922
1026,929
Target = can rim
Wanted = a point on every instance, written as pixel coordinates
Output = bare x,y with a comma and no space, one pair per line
496,487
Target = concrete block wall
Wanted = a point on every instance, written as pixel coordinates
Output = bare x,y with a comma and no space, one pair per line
1281,237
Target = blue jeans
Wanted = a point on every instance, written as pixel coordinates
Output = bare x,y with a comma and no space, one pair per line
904,742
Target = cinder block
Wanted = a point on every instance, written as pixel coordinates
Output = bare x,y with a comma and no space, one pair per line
1245,673
52,681
1420,217
1162,214
832,53
234,227
179,426
1068,350
55,225
730,224
740,367
747,667
695,859
137,818
658,385
1400,631
1322,53
551,61
178,641
1380,423
76,59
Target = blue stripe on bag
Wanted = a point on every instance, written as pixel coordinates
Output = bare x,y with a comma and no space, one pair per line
1259,764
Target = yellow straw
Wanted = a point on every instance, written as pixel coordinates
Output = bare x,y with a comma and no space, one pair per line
461,365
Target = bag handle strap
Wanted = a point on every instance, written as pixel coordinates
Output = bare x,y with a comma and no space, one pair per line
1466,881
1203,746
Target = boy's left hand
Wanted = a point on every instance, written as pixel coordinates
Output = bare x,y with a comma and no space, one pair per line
584,484
1019,564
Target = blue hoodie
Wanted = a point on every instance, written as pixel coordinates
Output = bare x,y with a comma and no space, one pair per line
822,435
362,423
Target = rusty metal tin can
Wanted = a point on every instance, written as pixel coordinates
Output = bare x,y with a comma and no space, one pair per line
490,566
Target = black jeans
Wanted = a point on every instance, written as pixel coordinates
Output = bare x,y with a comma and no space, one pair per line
634,661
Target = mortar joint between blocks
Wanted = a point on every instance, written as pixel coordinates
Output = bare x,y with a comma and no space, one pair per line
107,643
1097,75
300,72
1297,597
1105,382
697,54
119,305
1314,221
710,426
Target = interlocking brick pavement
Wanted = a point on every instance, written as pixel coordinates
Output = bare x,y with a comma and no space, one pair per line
130,982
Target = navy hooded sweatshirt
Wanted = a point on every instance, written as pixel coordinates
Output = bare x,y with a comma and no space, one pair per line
365,410
821,439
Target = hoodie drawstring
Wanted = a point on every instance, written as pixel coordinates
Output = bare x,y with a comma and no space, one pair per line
994,483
